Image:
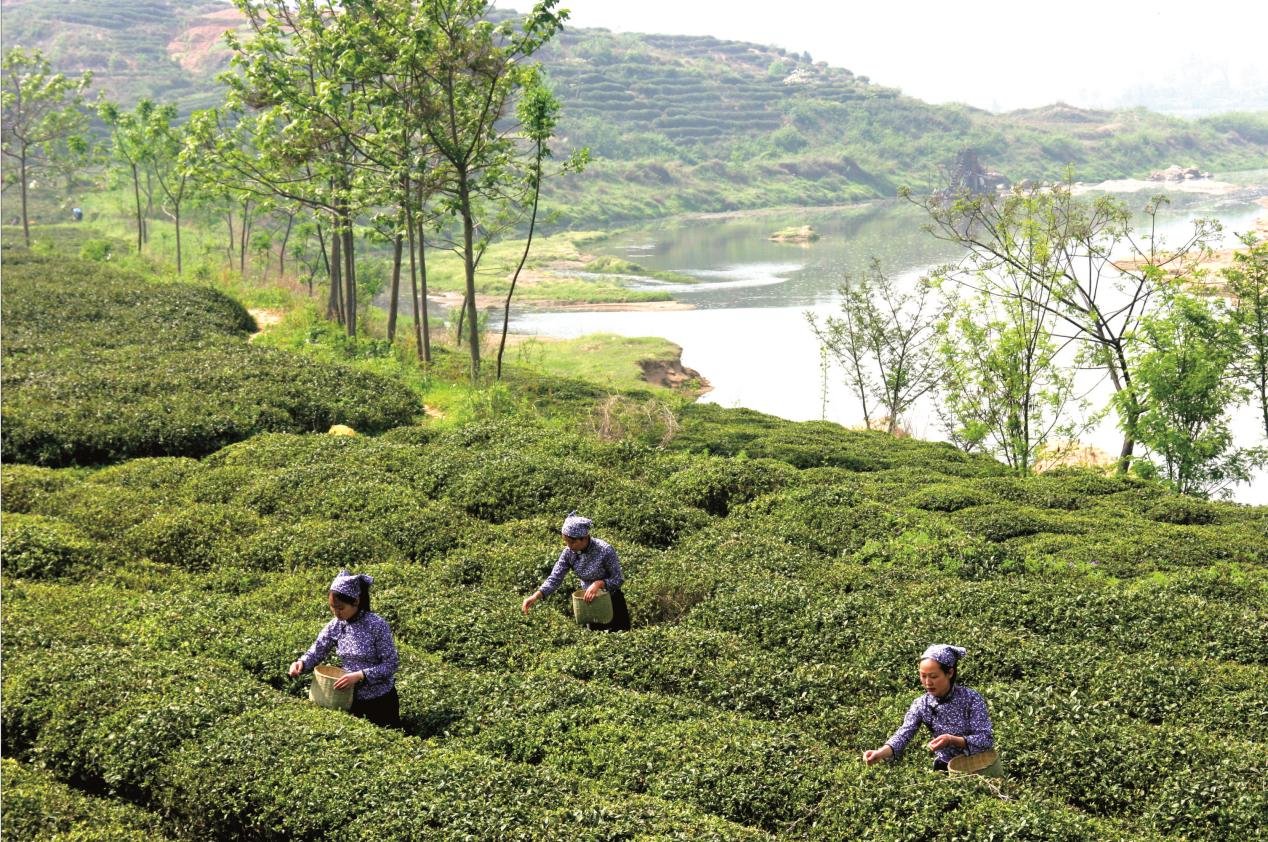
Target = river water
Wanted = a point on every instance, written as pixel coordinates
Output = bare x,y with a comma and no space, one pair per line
747,333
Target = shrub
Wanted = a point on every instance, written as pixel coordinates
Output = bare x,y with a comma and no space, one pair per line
200,536
23,486
716,484
100,365
311,543
43,547
1183,510
947,497
35,805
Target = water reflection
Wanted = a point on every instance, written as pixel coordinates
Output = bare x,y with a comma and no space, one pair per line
749,336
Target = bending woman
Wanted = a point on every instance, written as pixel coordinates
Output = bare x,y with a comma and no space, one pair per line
365,647
595,563
956,715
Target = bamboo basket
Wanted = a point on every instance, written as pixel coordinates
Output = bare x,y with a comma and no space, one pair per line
323,693
984,763
599,611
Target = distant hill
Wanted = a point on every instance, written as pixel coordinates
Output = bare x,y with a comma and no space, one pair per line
686,123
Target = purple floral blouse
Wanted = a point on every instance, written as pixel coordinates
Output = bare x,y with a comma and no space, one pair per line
364,643
599,561
961,713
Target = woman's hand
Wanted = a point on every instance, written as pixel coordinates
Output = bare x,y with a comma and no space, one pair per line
593,590
530,601
348,679
947,741
877,755
295,669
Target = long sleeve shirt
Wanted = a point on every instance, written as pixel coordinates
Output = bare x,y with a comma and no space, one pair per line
599,561
961,713
363,643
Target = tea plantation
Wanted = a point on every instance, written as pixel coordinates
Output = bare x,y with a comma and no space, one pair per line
782,578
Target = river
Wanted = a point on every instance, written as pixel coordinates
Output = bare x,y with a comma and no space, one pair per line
748,334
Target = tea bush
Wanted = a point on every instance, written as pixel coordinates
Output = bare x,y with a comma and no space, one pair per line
41,547
101,365
35,805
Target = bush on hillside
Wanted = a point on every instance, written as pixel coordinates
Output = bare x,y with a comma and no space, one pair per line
199,536
101,365
23,486
44,547
35,805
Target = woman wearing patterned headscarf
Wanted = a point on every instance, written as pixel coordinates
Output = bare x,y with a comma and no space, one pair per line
365,646
595,563
955,715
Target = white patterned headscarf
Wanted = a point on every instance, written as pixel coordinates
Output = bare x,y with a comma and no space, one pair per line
945,654
349,584
576,526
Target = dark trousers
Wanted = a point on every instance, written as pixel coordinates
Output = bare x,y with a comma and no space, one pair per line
620,615
382,710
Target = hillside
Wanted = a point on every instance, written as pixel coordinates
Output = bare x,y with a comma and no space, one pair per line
681,123
783,578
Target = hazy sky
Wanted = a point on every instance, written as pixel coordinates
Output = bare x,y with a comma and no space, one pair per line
996,54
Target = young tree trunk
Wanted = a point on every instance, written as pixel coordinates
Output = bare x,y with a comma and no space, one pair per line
413,282
422,301
229,222
26,224
281,254
349,275
176,214
136,192
468,264
336,276
245,234
395,295
532,224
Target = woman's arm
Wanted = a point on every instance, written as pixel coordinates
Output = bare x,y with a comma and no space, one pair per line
911,724
556,577
317,652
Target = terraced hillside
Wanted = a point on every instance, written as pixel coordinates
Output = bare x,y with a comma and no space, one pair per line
168,50
681,123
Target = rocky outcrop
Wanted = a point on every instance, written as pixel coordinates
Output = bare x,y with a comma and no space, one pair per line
1178,173
803,234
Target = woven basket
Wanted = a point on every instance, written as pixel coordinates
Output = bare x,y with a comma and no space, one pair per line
323,693
599,611
985,763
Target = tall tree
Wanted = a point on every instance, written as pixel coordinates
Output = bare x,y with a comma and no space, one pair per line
132,139
171,171
42,118
1004,390
538,112
1099,271
475,69
1181,365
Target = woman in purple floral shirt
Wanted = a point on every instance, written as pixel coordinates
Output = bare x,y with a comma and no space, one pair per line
365,646
956,715
596,565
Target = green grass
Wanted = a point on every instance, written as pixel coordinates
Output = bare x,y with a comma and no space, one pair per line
606,359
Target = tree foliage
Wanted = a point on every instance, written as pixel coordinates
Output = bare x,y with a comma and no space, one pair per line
884,342
42,119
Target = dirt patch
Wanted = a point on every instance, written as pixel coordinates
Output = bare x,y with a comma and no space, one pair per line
264,319
200,48
672,374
